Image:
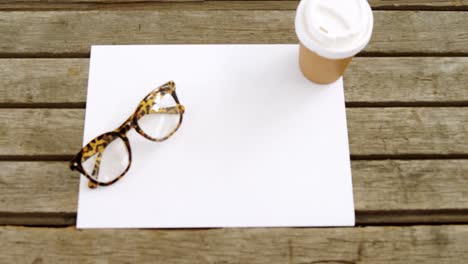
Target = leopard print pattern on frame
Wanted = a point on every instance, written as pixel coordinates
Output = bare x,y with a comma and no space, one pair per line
98,145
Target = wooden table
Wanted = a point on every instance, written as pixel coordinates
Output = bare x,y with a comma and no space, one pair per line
407,107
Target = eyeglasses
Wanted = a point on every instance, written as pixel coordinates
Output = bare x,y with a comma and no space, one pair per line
106,158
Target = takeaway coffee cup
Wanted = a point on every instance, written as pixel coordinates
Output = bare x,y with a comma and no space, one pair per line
330,33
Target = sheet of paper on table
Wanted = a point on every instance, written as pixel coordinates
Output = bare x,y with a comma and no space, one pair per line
260,145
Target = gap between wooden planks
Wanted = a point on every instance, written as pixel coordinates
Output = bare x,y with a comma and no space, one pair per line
258,4
70,33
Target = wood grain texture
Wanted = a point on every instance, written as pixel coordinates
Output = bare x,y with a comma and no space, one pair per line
408,131
42,187
421,4
371,81
410,184
70,33
412,244
40,131
379,131
43,81
407,80
388,191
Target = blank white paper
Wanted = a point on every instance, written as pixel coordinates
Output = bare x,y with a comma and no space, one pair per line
259,145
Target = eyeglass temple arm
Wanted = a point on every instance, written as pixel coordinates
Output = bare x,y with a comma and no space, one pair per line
97,165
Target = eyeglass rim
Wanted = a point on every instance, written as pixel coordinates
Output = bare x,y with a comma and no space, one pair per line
76,163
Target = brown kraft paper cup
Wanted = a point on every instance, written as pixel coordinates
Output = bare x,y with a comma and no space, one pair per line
319,69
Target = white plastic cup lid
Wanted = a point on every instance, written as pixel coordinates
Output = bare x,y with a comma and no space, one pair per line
334,29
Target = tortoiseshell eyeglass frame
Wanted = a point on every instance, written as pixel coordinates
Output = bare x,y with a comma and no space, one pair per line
99,144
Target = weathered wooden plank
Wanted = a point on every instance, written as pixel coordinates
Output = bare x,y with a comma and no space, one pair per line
388,191
42,187
372,131
391,81
422,4
410,185
407,80
70,33
408,131
40,131
39,81
411,244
